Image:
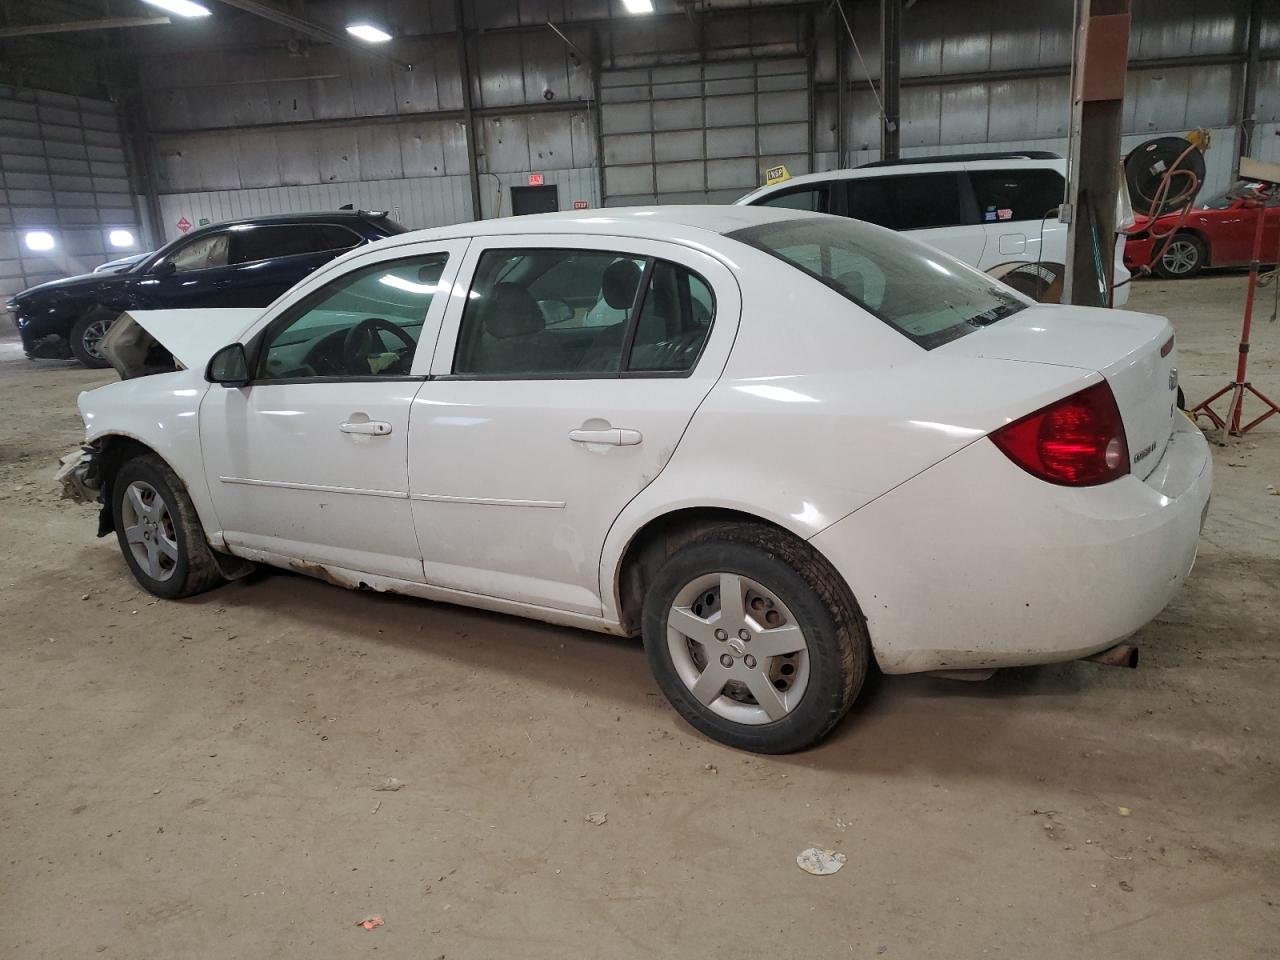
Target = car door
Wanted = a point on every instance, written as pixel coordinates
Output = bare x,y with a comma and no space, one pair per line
936,208
541,422
1018,209
266,260
307,462
191,275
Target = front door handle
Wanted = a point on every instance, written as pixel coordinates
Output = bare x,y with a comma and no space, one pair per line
372,428
615,436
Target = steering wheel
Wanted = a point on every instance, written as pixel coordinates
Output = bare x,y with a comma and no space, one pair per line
361,339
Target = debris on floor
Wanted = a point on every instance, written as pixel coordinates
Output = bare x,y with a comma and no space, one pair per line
370,922
595,819
390,784
820,863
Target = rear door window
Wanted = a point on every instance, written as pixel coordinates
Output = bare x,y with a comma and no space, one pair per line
917,201
1011,195
800,198
331,236
546,312
250,244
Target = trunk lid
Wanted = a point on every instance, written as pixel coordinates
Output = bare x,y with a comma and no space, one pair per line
1133,351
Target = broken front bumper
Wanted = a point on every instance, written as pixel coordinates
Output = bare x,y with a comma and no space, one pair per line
78,476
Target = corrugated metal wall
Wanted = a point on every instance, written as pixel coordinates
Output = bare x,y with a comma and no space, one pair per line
62,171
693,105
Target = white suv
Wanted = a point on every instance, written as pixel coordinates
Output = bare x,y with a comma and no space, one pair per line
996,212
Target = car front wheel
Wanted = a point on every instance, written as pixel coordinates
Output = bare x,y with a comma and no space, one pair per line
1183,258
88,333
159,532
754,639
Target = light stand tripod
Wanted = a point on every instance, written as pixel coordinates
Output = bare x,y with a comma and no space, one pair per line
1267,195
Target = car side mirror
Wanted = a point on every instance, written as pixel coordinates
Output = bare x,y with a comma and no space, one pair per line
229,366
163,269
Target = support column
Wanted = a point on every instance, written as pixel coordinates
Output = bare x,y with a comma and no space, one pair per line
1249,97
842,94
468,110
890,76
1093,180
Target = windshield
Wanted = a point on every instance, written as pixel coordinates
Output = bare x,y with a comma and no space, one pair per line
919,291
1223,199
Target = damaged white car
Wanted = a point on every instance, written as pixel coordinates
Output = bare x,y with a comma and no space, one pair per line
776,445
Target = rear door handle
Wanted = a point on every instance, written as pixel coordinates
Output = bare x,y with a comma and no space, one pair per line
373,428
615,436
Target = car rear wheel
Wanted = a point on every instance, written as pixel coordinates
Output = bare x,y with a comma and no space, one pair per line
88,333
158,530
1183,258
754,639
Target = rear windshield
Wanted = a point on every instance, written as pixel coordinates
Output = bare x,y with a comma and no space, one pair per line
920,292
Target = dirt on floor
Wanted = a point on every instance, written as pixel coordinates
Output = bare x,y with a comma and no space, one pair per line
200,779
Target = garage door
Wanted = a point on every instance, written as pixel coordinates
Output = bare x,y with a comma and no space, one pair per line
701,133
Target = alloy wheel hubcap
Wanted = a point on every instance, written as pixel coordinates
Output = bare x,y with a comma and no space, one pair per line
149,530
93,335
1180,257
738,648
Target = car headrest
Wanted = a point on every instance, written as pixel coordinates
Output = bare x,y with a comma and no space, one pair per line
618,285
511,311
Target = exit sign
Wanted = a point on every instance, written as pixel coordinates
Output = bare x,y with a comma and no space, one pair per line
535,180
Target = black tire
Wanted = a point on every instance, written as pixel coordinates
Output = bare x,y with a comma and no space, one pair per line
834,629
1184,257
85,334
193,570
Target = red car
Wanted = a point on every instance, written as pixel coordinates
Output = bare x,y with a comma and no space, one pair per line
1217,234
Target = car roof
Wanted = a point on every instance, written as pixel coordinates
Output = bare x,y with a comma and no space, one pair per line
678,223
921,164
324,216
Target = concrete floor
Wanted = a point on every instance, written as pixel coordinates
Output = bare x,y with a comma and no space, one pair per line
195,779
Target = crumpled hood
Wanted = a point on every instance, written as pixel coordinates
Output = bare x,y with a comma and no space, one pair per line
191,336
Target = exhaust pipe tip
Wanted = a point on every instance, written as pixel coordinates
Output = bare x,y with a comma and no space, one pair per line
1121,655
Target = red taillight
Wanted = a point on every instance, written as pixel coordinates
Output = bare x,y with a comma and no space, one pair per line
1077,442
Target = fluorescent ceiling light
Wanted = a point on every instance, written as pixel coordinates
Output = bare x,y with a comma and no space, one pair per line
183,8
368,33
120,238
408,286
638,6
39,240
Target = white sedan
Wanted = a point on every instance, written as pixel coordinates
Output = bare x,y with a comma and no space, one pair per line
775,445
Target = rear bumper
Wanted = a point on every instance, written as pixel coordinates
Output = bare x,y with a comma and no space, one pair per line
976,564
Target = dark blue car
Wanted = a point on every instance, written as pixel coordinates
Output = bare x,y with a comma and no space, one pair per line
238,263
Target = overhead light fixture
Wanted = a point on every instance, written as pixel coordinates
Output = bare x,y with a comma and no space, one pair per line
120,239
368,32
638,6
38,240
183,8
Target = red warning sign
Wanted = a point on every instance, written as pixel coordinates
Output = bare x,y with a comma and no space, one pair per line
535,180
184,224
579,204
